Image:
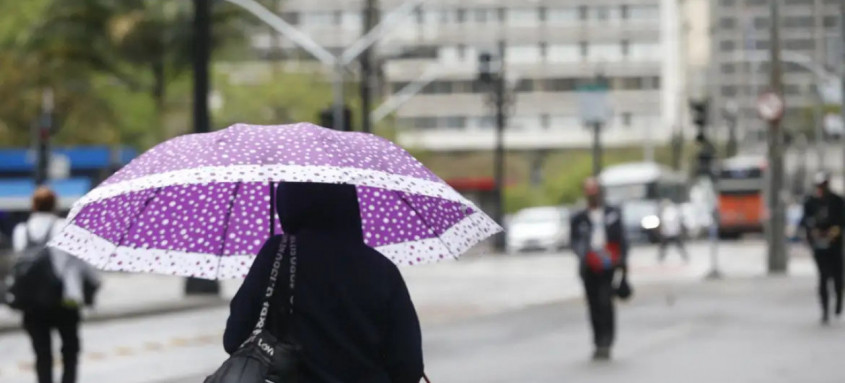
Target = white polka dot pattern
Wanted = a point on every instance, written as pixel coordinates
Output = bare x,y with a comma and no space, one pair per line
206,211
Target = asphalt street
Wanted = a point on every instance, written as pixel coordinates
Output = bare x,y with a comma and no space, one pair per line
521,319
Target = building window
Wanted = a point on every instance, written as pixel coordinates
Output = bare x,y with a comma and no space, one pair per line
623,11
727,23
625,45
798,45
605,52
562,16
559,85
800,2
461,15
583,12
480,15
644,12
541,14
728,68
501,12
727,3
584,49
563,53
525,85
602,13
522,17
641,51
798,22
543,50
761,44
729,91
626,119
761,23
830,21
316,19
527,54
727,46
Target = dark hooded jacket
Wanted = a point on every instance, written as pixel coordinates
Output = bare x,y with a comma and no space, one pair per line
353,315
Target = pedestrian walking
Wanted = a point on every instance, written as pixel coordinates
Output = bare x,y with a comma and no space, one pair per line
823,223
598,239
353,317
671,230
56,289
352,207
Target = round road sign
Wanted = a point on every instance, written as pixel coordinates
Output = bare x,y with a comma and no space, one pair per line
770,106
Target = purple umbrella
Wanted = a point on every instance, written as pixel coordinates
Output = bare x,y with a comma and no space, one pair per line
199,205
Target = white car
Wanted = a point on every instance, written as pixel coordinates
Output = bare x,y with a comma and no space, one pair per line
538,228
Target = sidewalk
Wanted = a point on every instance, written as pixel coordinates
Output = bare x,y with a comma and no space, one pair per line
477,284
746,330
133,295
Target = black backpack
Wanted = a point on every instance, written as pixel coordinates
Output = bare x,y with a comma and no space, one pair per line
33,283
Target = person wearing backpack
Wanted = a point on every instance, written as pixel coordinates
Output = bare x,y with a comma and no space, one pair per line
49,287
598,239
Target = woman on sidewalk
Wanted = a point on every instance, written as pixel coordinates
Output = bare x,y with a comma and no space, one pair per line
74,274
354,318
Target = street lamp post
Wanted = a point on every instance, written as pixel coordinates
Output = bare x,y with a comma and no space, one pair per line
202,120
777,254
491,73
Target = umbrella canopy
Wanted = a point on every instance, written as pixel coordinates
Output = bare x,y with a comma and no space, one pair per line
200,205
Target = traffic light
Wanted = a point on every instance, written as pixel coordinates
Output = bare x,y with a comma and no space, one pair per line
327,118
699,112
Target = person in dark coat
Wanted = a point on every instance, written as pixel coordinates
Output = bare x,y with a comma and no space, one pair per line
353,315
598,239
823,221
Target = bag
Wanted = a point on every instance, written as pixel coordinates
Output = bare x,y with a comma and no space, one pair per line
264,358
623,290
607,259
33,283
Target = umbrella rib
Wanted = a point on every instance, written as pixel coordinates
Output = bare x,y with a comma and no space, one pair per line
132,224
422,218
226,225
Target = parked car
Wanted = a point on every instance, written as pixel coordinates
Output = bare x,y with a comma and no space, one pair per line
543,228
641,220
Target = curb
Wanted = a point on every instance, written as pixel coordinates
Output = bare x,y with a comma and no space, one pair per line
184,305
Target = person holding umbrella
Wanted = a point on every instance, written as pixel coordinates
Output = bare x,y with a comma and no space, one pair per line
352,207
354,318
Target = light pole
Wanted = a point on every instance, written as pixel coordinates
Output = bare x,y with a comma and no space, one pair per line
491,73
776,237
202,54
43,130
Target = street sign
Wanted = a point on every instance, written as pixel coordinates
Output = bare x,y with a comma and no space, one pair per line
593,103
770,106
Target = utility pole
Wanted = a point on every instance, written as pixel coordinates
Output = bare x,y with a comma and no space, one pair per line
43,131
499,160
841,69
202,56
777,244
597,152
370,10
491,73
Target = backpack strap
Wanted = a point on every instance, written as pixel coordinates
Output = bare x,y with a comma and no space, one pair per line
47,236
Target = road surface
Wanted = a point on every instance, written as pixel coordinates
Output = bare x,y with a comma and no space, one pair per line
521,319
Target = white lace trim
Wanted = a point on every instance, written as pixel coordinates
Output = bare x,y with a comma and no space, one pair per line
106,256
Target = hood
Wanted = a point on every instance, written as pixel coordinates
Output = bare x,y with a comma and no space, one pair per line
319,207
